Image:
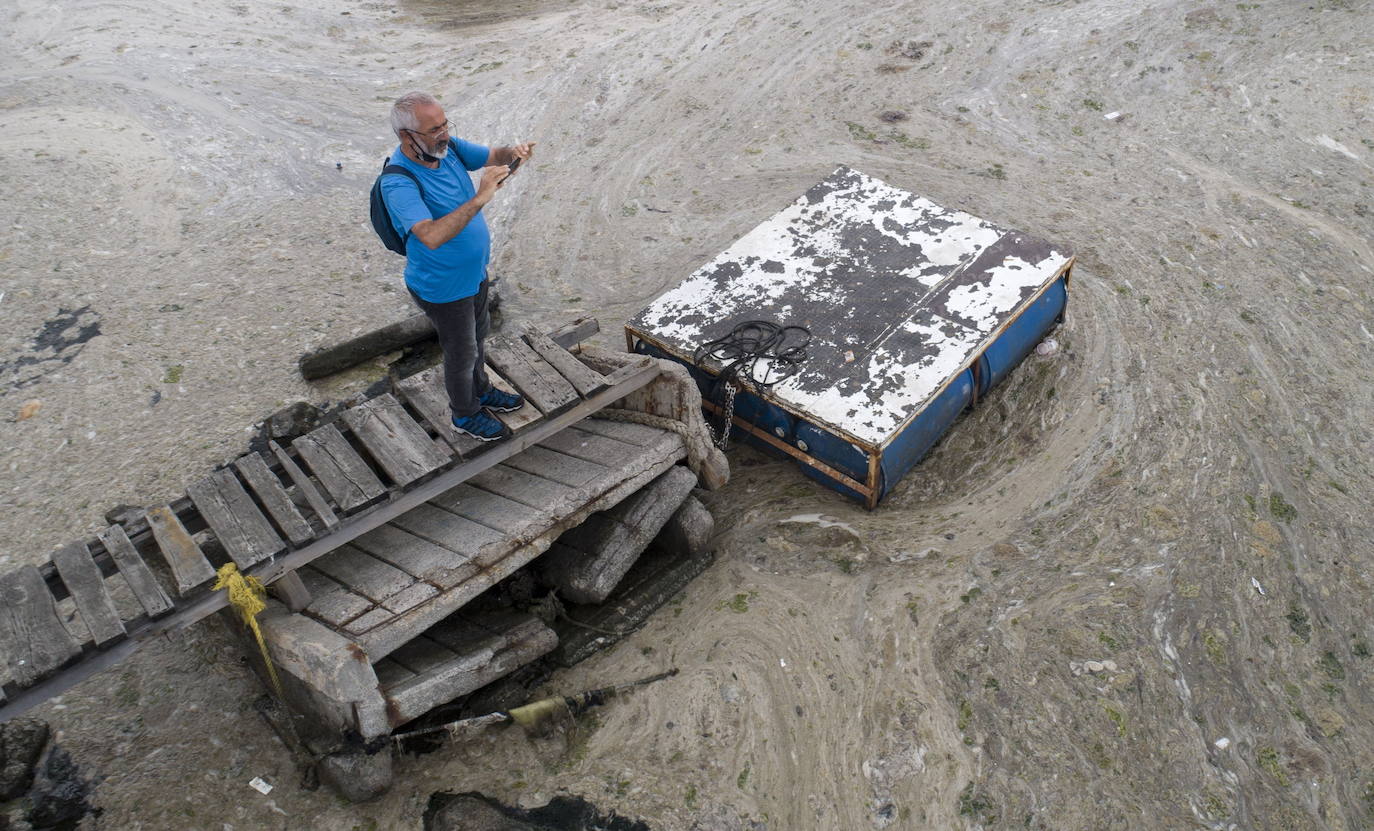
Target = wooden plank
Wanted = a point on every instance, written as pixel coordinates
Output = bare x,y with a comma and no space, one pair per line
584,379
420,558
87,587
369,621
408,598
237,523
183,555
628,371
531,374
312,494
521,418
342,471
464,633
423,655
363,574
571,334
590,447
390,673
402,448
36,642
425,392
274,498
136,572
445,674
527,489
330,602
449,530
573,472
628,432
520,522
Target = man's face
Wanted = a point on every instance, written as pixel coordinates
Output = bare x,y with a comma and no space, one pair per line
431,131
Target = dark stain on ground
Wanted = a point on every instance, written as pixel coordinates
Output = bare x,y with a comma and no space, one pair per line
445,15
563,813
53,346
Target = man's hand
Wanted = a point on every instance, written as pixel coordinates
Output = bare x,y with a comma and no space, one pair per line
435,232
511,152
492,177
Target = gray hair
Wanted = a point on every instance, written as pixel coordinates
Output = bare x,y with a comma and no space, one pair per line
403,111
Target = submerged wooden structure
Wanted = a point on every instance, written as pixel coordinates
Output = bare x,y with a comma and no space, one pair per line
374,530
914,312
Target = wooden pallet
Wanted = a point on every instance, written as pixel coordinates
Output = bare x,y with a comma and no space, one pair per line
391,584
70,618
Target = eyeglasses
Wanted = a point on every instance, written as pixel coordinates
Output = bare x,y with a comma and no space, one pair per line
434,133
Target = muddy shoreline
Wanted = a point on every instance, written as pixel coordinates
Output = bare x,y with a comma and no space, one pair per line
1180,492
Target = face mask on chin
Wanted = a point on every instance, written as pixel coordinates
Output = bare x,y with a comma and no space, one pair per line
427,151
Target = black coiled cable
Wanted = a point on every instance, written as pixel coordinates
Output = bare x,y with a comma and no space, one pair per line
740,351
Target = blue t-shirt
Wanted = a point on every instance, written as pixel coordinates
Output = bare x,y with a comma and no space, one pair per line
455,269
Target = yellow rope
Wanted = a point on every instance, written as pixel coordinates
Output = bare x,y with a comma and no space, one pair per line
249,598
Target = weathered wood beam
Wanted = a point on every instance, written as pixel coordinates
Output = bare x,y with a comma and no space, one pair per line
328,360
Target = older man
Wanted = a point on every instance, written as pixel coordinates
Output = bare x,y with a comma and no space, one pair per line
448,246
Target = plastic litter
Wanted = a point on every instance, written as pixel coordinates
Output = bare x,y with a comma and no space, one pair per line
1047,347
260,785
1257,586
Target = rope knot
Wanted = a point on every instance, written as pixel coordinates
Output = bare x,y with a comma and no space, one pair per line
248,597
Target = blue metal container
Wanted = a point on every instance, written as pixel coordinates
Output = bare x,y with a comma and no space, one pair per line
915,312
1022,334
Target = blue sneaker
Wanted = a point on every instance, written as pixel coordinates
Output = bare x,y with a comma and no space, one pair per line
500,401
482,426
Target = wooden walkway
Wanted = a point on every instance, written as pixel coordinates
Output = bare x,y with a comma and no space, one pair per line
382,489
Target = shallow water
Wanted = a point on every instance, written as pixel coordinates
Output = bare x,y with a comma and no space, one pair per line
175,173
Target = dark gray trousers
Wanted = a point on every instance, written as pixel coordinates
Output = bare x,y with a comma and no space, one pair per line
462,326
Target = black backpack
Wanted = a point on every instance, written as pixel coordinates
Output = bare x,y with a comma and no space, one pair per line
381,215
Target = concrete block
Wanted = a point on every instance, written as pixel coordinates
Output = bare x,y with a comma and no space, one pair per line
21,743
655,579
587,562
325,677
688,531
357,776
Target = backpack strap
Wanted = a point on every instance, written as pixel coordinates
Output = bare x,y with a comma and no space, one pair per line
394,169
389,168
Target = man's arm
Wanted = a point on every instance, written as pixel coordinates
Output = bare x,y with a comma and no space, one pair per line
435,232
506,155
